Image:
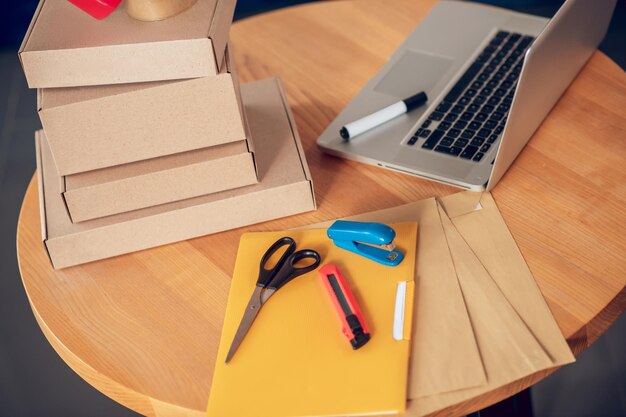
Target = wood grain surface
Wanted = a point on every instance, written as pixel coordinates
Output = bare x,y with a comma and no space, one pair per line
144,328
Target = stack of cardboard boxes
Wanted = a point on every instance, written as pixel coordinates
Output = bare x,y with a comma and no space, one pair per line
147,137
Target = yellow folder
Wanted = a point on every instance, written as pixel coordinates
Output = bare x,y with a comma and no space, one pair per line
295,361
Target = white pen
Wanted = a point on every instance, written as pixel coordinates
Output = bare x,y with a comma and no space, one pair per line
382,116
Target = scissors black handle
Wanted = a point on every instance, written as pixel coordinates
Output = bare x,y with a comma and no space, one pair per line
267,275
290,271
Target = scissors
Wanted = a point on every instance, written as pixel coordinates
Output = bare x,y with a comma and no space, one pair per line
271,280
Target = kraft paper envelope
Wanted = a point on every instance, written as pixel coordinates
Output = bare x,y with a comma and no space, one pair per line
444,353
516,332
487,234
509,349
482,246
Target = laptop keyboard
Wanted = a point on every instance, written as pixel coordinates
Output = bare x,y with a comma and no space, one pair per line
471,117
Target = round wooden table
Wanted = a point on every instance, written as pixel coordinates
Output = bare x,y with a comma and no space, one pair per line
144,328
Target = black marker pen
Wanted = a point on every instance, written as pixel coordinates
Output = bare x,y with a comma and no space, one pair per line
382,116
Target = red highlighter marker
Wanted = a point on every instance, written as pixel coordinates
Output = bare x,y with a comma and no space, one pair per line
353,325
97,8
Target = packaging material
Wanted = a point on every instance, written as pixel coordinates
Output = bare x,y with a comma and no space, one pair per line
134,186
285,188
65,47
516,332
97,127
151,11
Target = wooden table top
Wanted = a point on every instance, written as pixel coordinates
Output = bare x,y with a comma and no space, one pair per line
144,328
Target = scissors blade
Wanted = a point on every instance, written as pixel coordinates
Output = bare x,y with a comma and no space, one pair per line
252,310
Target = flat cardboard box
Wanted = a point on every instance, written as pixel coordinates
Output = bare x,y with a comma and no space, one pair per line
142,184
285,188
90,128
65,47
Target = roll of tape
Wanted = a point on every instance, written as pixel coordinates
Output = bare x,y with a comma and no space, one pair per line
153,10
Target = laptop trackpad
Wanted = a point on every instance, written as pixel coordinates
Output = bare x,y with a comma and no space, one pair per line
414,72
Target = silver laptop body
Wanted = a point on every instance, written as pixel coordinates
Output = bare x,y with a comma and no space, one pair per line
457,42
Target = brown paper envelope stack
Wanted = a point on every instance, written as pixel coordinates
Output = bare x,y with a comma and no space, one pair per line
138,115
480,319
503,260
483,247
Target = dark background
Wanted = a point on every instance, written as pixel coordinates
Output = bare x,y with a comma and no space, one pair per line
35,382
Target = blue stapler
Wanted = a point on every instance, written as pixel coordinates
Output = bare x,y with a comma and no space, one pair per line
371,240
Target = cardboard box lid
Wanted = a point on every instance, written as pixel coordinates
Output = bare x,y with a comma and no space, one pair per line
95,127
64,46
148,183
280,162
49,98
149,166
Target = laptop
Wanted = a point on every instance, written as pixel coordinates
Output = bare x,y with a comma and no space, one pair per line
491,76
